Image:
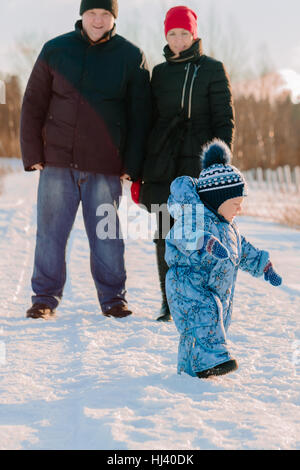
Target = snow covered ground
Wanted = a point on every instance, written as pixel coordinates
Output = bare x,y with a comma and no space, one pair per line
83,381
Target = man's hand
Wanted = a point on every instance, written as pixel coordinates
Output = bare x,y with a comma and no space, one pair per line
125,177
37,166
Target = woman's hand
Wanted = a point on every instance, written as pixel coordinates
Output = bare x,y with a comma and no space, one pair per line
135,191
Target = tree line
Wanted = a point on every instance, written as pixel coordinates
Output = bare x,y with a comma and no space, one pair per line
267,124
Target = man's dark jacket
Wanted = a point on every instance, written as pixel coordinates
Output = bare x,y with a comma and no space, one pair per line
87,106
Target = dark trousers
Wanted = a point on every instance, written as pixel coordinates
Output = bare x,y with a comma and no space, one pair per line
164,224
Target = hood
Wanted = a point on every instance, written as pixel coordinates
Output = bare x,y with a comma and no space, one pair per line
183,192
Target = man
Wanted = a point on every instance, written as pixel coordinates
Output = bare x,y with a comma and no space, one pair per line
84,122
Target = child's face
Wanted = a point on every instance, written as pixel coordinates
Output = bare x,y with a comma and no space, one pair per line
230,208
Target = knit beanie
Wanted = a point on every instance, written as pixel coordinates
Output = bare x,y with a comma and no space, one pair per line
181,17
219,181
109,5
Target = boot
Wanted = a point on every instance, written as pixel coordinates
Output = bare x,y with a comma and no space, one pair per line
221,369
118,311
162,266
165,314
39,310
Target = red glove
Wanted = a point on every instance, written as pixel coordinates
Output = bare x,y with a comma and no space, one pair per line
135,191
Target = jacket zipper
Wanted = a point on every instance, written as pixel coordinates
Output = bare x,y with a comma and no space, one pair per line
197,67
187,68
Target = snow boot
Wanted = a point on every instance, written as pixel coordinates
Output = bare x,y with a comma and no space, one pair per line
118,311
162,266
165,314
220,369
39,310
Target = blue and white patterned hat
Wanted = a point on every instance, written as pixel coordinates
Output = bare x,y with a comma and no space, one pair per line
219,181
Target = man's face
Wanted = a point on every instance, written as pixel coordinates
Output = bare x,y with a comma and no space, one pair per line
97,22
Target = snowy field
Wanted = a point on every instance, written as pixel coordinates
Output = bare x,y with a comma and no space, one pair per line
84,381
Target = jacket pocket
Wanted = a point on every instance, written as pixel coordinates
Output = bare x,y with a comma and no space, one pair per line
58,134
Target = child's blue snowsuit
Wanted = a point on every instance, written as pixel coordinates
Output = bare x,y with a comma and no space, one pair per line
199,286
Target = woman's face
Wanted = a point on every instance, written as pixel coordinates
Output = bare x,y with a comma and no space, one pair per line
179,40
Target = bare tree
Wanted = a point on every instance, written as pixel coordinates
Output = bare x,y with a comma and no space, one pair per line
10,119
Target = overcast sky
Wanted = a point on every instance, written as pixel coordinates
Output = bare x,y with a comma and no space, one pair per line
268,27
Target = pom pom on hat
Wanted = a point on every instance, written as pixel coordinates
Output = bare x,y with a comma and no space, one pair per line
217,152
219,180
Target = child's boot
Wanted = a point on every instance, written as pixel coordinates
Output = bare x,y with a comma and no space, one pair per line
220,369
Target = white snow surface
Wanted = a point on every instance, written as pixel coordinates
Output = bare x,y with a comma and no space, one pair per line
84,381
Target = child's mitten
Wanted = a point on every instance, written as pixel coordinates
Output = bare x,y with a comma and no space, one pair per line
215,248
271,276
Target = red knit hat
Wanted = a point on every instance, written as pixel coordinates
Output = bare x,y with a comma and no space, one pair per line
181,17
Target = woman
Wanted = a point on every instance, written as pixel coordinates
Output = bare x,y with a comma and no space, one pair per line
192,104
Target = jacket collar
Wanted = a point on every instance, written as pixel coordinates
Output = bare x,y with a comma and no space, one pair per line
105,38
190,55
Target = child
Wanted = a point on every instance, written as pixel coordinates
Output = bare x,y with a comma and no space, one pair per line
204,251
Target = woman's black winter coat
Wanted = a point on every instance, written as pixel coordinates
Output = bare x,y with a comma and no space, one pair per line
209,105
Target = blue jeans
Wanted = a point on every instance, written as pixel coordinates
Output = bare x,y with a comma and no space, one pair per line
59,194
